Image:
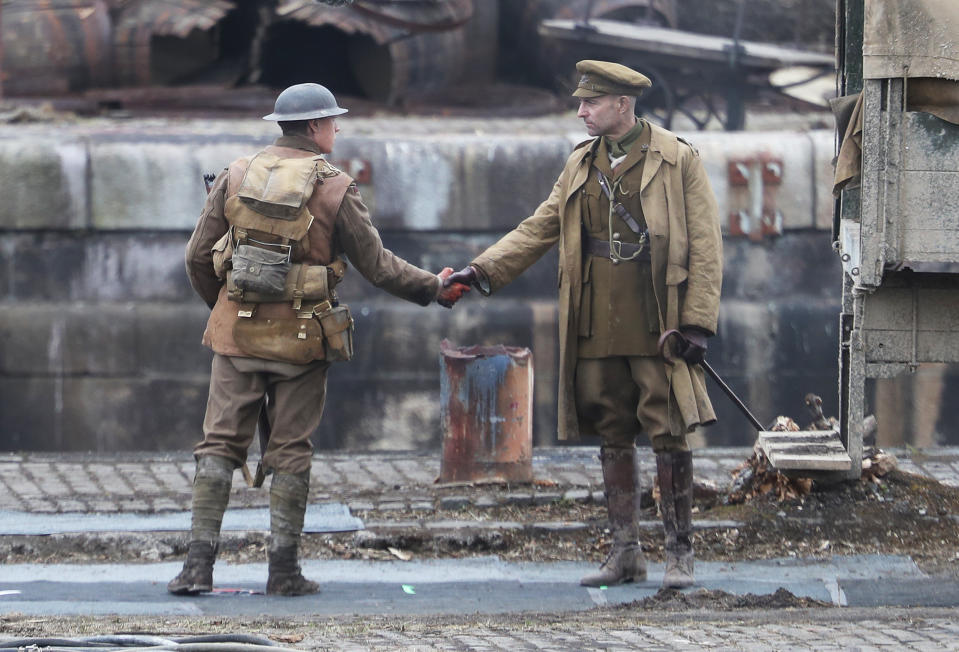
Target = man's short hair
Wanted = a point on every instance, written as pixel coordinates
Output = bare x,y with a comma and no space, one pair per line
294,127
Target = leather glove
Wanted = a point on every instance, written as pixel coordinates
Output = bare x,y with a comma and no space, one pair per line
450,292
466,276
694,350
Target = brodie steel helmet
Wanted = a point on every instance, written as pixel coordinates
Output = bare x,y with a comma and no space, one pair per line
304,102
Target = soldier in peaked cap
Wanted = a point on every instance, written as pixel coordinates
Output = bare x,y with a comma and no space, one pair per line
266,255
640,254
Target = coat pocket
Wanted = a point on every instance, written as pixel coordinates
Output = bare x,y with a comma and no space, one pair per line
676,274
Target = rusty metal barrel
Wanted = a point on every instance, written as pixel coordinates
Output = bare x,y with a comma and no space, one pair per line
54,47
486,408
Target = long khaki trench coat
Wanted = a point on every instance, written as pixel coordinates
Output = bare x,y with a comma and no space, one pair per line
685,248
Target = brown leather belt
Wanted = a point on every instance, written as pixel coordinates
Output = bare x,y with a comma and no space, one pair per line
596,247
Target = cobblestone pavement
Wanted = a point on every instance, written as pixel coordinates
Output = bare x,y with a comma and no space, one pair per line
151,482
767,632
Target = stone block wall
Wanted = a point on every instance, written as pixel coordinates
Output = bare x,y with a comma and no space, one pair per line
100,331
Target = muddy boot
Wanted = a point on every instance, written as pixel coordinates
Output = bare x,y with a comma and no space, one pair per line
211,493
675,474
286,577
197,574
288,497
625,562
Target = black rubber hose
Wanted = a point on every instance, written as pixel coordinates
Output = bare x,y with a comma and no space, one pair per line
210,647
201,643
47,642
116,640
227,638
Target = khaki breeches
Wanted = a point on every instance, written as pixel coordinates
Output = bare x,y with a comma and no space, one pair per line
619,397
237,389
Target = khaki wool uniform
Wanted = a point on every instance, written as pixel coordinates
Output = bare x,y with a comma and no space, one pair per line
612,380
341,225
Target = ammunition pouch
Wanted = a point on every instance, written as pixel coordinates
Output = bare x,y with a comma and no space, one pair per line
298,340
260,270
222,255
337,325
308,283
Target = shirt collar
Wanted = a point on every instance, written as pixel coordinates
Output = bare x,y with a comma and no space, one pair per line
622,146
295,141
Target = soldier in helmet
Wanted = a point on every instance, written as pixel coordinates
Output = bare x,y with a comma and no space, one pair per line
640,254
266,255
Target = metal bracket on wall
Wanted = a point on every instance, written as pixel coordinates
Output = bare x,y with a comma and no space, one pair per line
754,184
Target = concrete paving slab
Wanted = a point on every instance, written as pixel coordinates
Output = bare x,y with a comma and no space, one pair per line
924,592
484,585
321,517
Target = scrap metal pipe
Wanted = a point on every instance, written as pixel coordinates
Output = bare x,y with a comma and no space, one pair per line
486,409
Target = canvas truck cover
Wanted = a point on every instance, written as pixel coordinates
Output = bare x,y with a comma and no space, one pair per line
911,38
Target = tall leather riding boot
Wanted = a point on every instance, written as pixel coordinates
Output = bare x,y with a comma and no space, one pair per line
675,473
625,562
288,497
211,493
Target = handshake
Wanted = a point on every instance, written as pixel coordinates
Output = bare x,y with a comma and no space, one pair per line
454,285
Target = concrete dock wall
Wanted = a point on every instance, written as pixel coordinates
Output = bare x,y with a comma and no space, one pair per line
100,331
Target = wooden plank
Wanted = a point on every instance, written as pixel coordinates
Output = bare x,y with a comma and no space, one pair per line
661,41
812,450
811,463
806,435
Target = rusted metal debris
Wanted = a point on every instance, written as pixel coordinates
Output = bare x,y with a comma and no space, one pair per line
139,22
41,113
383,22
169,17
54,47
389,49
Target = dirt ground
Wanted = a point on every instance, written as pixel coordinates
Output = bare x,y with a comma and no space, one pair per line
897,513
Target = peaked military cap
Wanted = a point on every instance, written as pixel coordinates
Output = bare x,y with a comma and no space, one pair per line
607,78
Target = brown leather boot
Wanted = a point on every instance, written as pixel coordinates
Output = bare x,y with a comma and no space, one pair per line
625,562
288,498
286,577
197,574
211,493
675,474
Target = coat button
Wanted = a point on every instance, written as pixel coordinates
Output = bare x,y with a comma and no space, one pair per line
616,235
